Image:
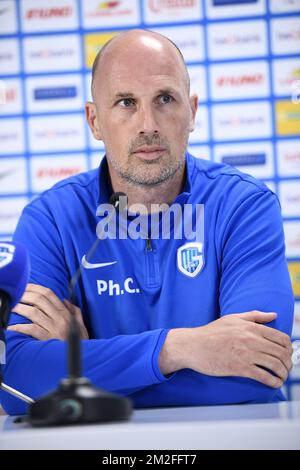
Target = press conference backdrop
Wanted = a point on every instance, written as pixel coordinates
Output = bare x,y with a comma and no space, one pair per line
243,59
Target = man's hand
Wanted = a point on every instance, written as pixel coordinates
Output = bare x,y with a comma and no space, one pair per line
234,345
50,317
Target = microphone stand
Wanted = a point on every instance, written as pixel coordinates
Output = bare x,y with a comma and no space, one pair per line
77,401
15,393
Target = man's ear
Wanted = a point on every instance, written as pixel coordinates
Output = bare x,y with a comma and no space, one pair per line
194,108
92,119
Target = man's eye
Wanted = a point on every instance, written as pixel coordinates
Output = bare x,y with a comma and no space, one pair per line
165,99
126,102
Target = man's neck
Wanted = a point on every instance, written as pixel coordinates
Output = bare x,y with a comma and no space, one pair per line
163,193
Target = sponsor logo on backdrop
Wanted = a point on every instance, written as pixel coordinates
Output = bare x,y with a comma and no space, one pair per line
241,121
8,18
220,3
107,9
233,8
46,171
58,173
93,44
286,73
13,176
55,93
242,80
46,13
49,15
52,53
288,152
285,36
4,10
2,92
111,13
9,56
254,158
294,270
189,39
238,39
237,81
293,157
55,133
164,11
10,96
159,6
289,192
245,159
287,118
49,53
4,174
5,56
11,136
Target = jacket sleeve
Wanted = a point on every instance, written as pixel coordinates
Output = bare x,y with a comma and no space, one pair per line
254,276
122,364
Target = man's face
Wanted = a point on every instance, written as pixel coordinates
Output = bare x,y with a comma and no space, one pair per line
144,115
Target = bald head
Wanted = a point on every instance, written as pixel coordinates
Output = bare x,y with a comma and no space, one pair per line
145,43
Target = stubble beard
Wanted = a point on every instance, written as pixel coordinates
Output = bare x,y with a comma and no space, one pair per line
149,173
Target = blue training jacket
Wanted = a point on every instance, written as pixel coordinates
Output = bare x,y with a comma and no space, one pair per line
129,306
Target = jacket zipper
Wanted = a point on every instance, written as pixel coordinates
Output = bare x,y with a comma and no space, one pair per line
151,265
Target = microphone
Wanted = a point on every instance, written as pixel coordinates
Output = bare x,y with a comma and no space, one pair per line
76,400
14,274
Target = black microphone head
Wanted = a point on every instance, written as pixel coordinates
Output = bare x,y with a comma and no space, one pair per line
116,199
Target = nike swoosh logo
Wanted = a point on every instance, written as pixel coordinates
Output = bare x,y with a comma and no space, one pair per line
88,265
4,174
3,10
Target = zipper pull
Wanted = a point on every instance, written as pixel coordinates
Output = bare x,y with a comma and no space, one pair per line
148,244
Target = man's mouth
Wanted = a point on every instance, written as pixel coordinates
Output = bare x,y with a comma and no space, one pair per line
148,152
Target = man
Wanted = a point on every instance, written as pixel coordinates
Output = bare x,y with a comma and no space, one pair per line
155,327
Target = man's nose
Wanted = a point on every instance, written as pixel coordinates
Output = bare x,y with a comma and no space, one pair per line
147,121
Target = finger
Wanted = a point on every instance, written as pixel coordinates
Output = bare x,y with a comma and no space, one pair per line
264,377
39,300
265,346
275,336
78,315
258,316
30,330
74,310
48,294
35,315
273,364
